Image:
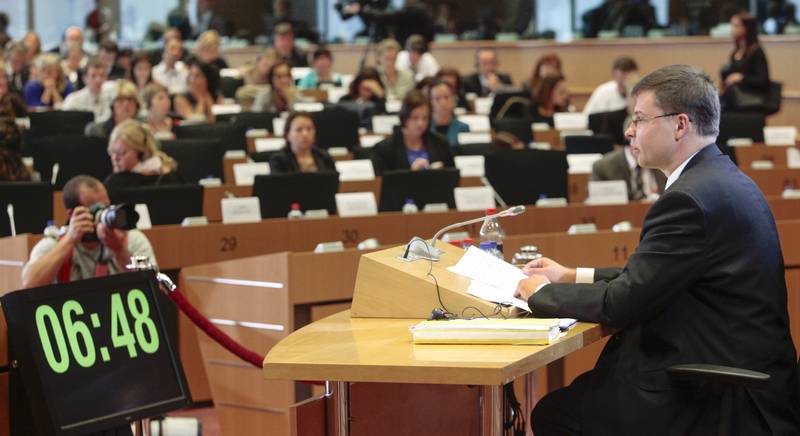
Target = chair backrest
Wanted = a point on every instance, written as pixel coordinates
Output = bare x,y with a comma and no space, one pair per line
277,192
75,154
167,204
581,144
511,104
471,149
33,206
363,152
524,176
519,127
249,120
229,85
337,127
231,135
424,187
610,124
739,125
197,158
59,123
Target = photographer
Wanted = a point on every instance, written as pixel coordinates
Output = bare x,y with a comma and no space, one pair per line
76,254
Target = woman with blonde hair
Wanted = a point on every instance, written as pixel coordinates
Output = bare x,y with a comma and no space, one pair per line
124,106
136,159
51,86
207,49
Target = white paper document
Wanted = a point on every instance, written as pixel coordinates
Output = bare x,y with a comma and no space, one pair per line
492,279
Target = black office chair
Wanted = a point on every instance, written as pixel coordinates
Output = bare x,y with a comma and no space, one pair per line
33,206
167,204
249,120
229,85
610,124
277,192
739,125
59,123
197,158
424,187
581,144
524,176
75,154
519,127
363,152
231,135
471,149
337,127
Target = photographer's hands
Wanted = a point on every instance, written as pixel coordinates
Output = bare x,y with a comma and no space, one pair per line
115,240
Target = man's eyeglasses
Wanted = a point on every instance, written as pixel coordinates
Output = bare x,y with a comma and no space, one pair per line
638,120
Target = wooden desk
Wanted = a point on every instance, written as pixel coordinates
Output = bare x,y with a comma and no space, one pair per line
343,349
777,155
773,182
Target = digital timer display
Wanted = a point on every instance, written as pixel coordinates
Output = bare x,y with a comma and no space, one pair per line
94,352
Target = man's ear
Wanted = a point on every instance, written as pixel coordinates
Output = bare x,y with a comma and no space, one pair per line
682,127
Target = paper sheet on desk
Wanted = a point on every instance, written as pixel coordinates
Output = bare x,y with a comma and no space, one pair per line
492,279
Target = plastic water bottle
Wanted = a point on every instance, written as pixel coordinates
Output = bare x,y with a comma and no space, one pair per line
410,206
491,248
295,212
492,232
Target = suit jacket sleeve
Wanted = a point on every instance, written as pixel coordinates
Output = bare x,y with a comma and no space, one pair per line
669,258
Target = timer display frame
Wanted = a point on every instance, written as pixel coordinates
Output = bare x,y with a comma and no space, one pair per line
91,355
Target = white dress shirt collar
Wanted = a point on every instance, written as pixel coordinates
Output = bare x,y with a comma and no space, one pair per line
677,173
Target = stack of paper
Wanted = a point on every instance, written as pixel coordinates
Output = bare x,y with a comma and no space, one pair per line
520,331
492,279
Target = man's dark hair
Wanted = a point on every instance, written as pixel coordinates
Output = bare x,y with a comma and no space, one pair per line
72,189
109,45
685,90
626,64
322,51
416,44
411,101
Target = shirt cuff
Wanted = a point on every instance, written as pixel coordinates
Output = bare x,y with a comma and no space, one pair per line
540,287
584,275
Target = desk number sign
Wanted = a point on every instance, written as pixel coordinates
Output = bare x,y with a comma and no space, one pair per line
91,355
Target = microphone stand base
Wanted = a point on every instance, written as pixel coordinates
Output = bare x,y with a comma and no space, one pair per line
419,249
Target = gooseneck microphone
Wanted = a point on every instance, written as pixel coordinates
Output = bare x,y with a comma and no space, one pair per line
419,248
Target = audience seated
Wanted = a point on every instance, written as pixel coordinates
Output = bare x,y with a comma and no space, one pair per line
283,41
367,91
94,97
141,70
206,49
73,64
451,76
18,70
397,82
11,104
124,107
547,65
612,95
643,183
300,153
158,119
322,72
412,145
11,167
255,78
553,97
172,72
135,159
746,76
443,120
281,94
33,45
417,59
486,79
202,94
108,55
51,86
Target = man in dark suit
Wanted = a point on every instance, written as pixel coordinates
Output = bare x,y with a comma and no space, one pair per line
643,183
705,285
487,79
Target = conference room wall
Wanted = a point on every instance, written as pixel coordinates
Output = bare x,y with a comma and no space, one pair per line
587,63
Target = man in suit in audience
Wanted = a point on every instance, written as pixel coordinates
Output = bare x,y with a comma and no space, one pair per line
620,164
85,249
487,79
283,40
705,285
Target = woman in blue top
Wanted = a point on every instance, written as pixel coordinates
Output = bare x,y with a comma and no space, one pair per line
443,120
412,146
322,72
52,85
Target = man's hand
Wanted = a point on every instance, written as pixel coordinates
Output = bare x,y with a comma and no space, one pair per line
81,222
733,78
554,271
493,82
116,240
527,287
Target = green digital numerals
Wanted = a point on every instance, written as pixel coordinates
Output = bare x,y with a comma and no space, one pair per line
75,337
